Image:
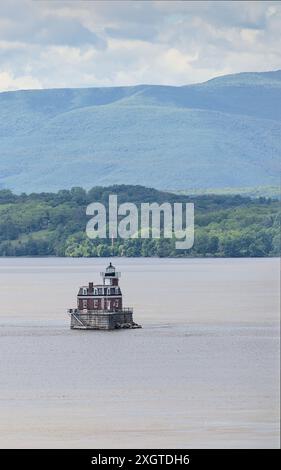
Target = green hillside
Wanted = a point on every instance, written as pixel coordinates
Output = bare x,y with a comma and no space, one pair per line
53,224
273,192
222,133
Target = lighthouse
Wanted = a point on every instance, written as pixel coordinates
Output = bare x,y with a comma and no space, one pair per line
100,306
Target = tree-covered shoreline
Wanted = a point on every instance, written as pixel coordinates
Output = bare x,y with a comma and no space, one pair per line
53,224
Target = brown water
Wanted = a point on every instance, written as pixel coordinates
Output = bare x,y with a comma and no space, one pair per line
203,371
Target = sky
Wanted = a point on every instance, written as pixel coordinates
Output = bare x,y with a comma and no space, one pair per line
49,44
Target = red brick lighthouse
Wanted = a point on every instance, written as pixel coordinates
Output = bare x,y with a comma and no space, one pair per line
100,307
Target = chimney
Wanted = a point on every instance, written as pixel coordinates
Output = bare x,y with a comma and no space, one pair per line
91,289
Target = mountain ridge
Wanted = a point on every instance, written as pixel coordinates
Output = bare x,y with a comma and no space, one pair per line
220,133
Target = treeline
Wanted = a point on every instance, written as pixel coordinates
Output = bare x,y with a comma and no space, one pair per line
53,224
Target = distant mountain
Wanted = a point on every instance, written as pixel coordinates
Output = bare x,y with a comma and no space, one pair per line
221,133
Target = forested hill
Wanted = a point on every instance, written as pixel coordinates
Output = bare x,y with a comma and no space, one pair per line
221,133
54,224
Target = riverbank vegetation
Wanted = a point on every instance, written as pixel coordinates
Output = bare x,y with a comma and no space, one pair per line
53,224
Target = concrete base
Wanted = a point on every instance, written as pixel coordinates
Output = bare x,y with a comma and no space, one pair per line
101,320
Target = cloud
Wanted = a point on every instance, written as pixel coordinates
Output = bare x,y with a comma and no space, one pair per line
9,82
77,43
30,23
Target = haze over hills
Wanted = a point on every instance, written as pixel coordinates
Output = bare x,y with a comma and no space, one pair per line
221,133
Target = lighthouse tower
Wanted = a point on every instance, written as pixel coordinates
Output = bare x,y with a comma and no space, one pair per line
110,277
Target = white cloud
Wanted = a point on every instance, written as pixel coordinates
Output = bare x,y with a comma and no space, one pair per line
66,43
9,82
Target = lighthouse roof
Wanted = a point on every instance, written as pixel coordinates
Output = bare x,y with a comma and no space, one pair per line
84,290
110,267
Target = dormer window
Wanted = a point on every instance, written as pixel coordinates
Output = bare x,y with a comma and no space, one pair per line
95,291
85,291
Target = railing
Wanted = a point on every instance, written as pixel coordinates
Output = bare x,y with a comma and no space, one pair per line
75,311
72,310
112,274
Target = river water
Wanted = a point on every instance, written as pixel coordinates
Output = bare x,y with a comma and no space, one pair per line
203,371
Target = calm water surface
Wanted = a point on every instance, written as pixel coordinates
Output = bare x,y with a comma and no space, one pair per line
203,371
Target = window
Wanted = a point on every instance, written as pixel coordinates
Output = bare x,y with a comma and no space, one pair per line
85,304
84,291
96,303
95,291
